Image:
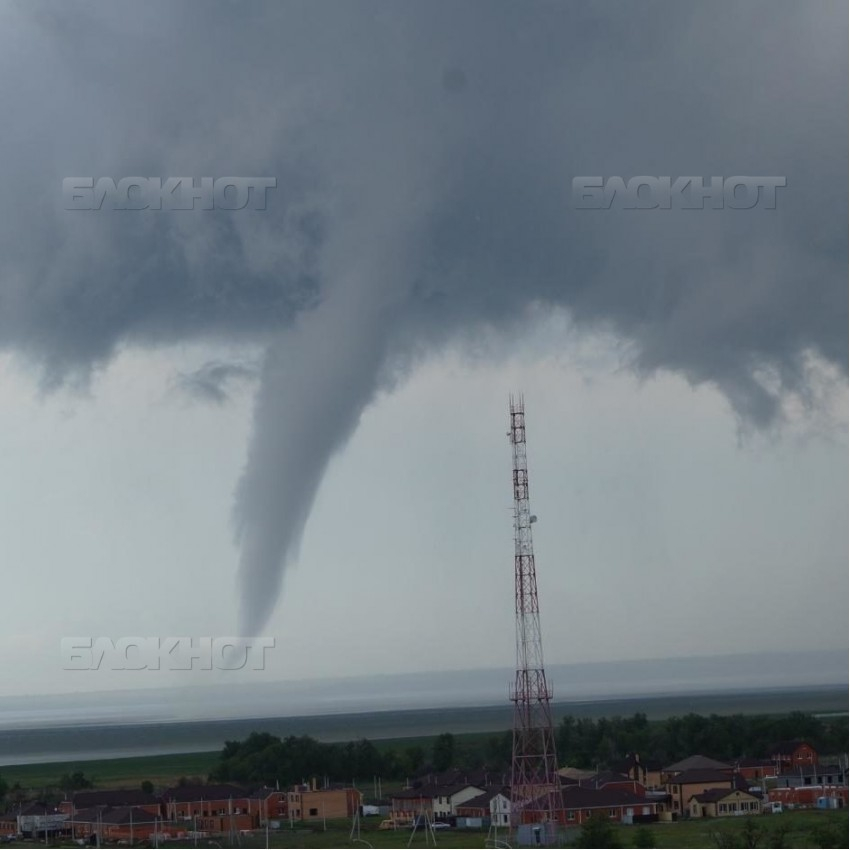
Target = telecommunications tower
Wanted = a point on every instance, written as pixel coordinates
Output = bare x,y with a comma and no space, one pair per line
535,783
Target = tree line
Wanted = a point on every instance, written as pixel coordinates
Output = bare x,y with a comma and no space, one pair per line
581,742
586,743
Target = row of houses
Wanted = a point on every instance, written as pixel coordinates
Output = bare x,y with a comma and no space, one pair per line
634,790
127,814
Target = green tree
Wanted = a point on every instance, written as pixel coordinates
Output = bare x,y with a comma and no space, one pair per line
443,753
597,831
644,837
750,834
777,837
147,786
412,759
829,835
75,781
4,789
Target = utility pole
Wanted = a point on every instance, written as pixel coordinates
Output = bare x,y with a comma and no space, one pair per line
535,783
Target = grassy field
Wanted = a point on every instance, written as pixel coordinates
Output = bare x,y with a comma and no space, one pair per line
116,773
799,827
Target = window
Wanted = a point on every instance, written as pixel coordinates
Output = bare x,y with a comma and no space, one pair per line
314,813
612,812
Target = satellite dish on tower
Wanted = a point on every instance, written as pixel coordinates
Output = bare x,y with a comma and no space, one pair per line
532,518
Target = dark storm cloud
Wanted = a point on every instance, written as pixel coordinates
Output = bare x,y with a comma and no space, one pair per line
424,156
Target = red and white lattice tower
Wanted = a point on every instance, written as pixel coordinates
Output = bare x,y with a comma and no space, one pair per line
535,783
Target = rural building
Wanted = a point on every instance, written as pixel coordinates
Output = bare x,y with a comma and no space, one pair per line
448,797
648,773
9,823
754,770
267,804
610,779
697,762
687,783
581,803
412,802
210,808
306,802
491,807
812,796
723,802
812,774
126,823
114,798
789,755
38,820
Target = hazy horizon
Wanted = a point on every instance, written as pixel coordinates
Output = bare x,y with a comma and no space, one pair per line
430,689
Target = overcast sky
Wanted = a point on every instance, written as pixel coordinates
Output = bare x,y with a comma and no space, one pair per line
291,421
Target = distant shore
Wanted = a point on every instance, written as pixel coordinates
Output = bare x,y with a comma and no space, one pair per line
62,746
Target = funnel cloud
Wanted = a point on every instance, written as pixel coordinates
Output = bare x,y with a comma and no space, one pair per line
424,156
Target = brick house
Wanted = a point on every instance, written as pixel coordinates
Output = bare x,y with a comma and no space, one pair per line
308,803
410,803
789,755
267,804
209,808
581,803
610,779
114,798
807,797
723,802
126,823
755,770
9,823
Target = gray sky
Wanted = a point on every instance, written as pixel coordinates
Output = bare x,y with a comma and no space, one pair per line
167,376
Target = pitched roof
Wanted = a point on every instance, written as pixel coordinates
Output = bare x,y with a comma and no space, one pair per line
579,797
433,790
604,777
264,792
691,777
195,793
39,809
697,763
574,773
482,801
117,815
423,792
113,797
713,795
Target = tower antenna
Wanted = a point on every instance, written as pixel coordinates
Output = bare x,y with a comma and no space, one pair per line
536,803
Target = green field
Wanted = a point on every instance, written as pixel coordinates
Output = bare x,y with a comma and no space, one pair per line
800,830
116,773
